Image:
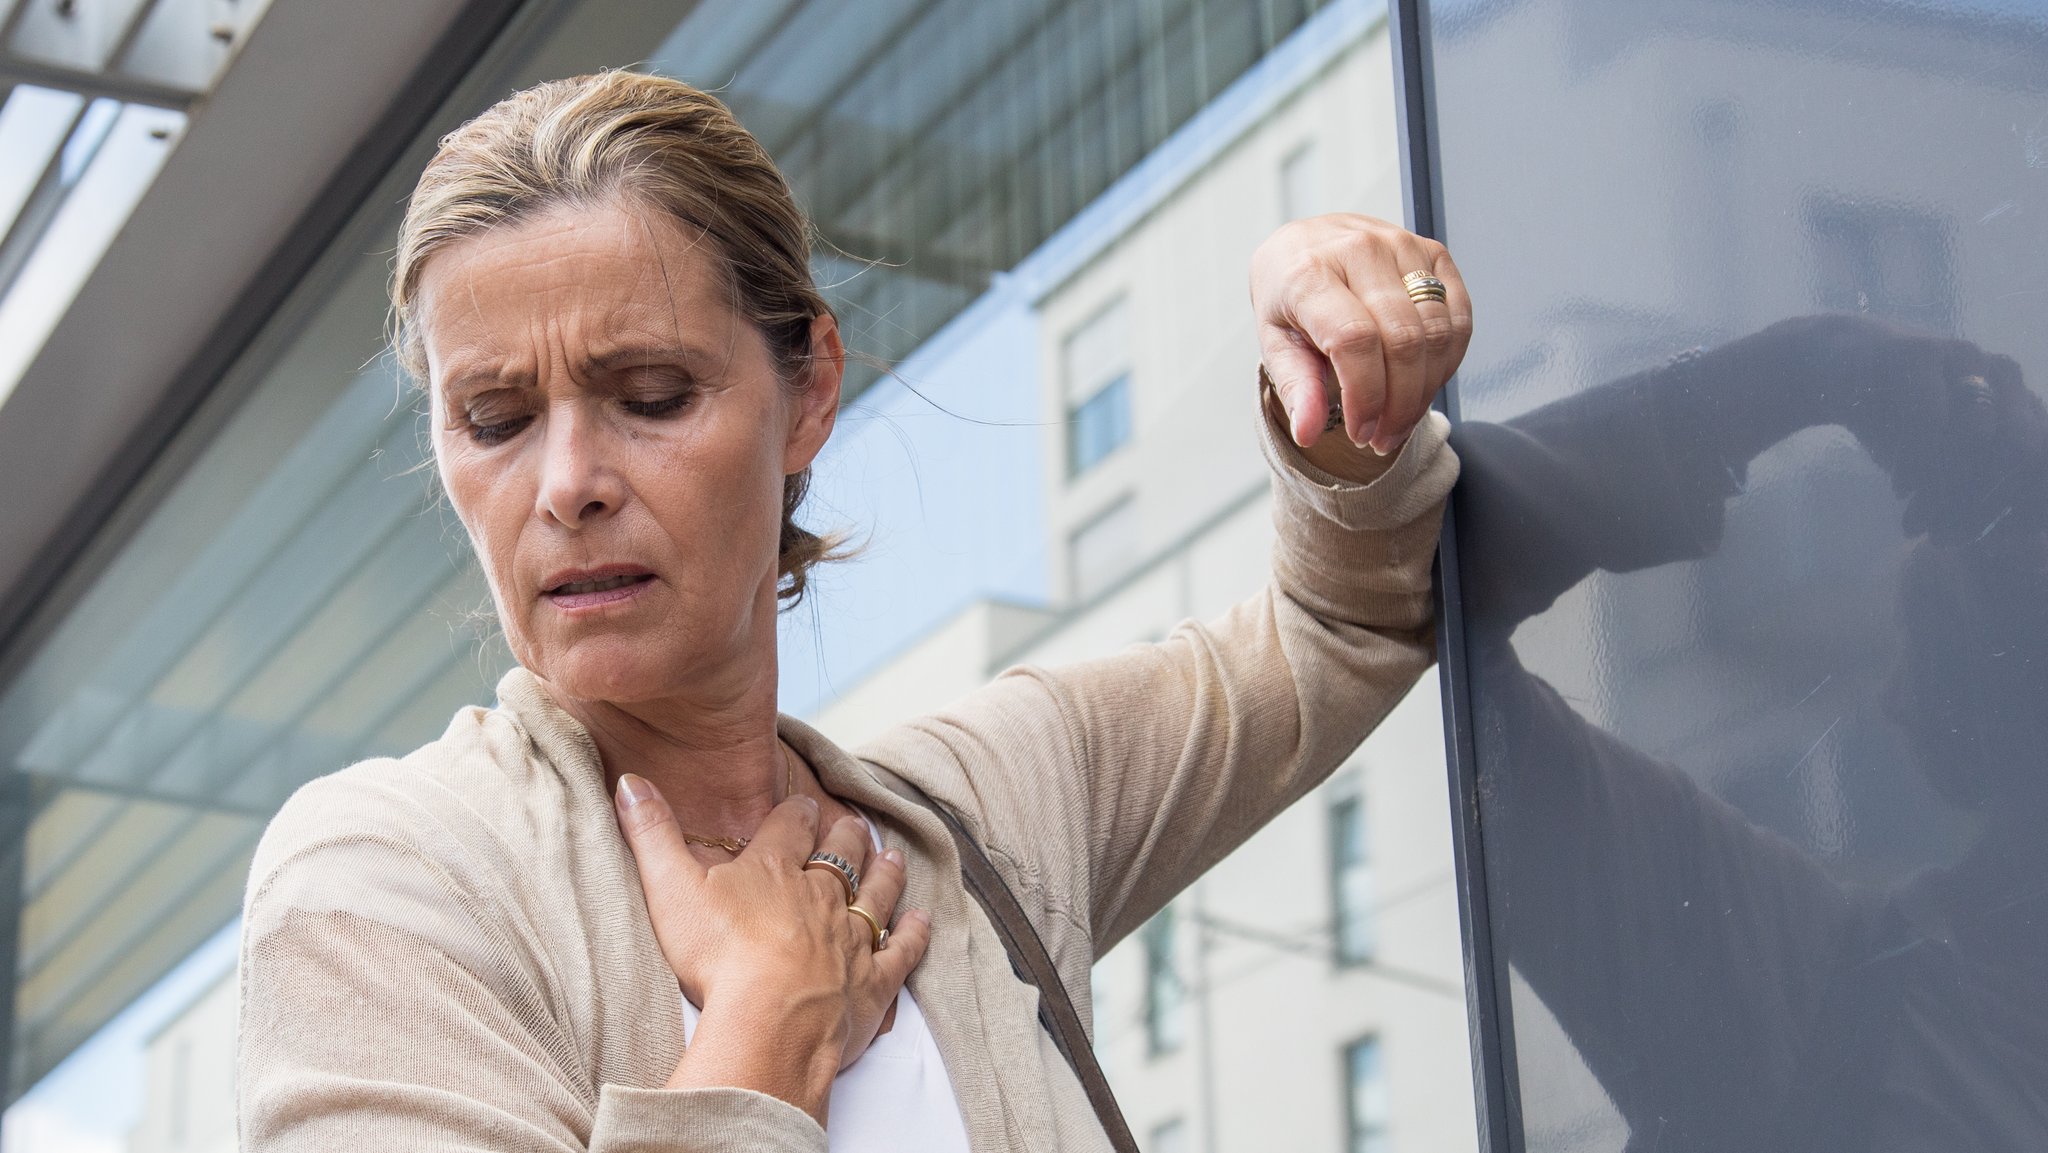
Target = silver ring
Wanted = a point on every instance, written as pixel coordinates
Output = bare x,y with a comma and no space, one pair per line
841,868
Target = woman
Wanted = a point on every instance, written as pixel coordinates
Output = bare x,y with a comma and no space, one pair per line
503,940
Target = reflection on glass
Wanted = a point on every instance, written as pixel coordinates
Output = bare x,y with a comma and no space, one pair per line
1757,636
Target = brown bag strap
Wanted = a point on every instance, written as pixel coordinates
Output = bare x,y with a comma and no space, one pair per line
1028,956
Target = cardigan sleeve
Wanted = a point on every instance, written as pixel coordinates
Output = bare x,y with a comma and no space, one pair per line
384,1006
1111,784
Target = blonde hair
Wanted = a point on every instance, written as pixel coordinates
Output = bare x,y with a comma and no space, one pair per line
659,142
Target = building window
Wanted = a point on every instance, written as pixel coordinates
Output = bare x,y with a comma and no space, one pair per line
1888,260
1165,996
1168,1137
1351,891
1103,549
1096,386
1099,425
1365,1098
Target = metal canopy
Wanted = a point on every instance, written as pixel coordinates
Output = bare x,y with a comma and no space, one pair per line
282,595
93,96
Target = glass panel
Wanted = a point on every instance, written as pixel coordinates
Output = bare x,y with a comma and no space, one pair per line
120,152
1757,635
34,123
77,33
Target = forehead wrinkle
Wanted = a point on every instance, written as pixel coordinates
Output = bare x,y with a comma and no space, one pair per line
624,324
716,271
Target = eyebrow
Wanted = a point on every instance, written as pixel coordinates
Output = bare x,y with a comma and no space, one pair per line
610,360
638,355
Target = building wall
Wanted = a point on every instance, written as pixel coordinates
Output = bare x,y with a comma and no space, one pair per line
189,1101
1266,1011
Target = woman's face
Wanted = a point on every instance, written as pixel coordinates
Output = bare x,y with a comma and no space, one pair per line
615,438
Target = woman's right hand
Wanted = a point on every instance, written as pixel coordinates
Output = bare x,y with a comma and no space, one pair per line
791,988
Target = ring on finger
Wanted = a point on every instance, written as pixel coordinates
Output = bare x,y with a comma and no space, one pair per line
841,868
1422,285
875,928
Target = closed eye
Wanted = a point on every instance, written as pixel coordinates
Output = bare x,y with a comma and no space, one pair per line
660,407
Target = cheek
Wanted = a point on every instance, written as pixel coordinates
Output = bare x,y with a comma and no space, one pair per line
487,502
720,501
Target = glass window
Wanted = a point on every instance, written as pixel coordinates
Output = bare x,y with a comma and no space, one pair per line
1099,425
1351,890
1095,373
1165,995
1104,548
1365,1098
1169,1136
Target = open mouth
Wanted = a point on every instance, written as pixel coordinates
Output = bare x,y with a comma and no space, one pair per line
589,588
599,585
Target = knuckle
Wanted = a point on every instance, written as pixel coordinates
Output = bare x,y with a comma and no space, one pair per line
1461,324
1437,333
1405,343
1353,338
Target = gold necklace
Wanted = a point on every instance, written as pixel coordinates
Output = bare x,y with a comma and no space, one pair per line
735,844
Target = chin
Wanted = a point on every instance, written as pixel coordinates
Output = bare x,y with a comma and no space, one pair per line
611,672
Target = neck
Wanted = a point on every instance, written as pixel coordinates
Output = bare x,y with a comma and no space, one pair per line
714,755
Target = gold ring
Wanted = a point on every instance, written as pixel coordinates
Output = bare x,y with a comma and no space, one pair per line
874,927
1423,286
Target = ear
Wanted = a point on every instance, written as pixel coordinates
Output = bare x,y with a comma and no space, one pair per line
817,406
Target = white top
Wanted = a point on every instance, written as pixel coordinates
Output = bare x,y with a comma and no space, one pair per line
896,1096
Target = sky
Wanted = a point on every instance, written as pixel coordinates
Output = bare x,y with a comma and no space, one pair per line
936,475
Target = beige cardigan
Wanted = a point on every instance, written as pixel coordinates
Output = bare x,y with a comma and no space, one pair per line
451,950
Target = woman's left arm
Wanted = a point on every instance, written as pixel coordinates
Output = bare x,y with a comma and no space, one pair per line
1112,784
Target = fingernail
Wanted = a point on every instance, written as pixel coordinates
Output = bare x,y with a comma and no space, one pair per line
893,856
633,789
1366,432
808,801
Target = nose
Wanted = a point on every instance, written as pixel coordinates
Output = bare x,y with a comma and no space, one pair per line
578,483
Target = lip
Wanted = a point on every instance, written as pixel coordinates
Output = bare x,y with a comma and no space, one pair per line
639,580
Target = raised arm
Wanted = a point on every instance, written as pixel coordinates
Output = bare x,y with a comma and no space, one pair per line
1107,786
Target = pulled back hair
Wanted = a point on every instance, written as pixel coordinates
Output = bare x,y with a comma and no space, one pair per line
650,141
